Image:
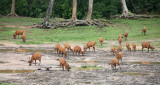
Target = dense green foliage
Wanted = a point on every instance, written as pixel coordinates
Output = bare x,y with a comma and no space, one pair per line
63,8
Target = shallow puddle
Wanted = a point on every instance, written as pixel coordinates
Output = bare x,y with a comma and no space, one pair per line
26,50
1,62
83,58
15,71
1,44
145,62
87,82
132,73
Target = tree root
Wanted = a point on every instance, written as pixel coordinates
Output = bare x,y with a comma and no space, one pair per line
12,14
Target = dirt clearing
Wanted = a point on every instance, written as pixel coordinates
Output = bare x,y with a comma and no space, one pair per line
91,69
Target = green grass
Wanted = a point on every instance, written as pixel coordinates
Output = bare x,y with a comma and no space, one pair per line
115,47
7,33
92,67
20,20
134,27
85,67
99,46
133,73
157,44
7,84
83,34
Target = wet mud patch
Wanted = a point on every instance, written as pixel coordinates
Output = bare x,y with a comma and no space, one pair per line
89,75
133,73
145,62
1,62
26,50
83,70
1,44
16,71
86,61
88,68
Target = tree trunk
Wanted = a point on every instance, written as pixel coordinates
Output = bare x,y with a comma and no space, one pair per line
13,9
124,8
74,10
89,15
134,8
48,14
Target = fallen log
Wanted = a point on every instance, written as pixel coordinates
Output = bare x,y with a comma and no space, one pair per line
71,23
133,17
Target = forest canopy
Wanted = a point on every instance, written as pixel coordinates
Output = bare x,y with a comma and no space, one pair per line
63,8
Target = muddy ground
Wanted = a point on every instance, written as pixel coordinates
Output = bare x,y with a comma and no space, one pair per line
137,67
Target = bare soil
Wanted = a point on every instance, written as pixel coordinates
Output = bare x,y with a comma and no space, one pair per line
137,67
